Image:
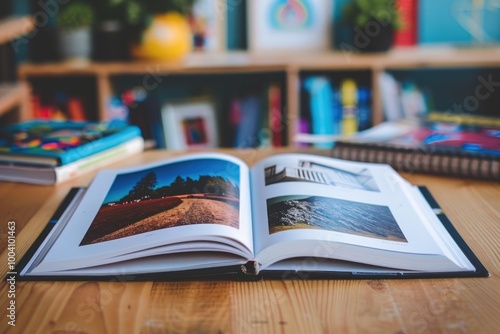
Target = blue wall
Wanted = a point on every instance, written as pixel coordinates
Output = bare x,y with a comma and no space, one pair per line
447,21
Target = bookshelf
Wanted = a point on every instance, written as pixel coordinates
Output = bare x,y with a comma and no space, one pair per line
14,94
293,66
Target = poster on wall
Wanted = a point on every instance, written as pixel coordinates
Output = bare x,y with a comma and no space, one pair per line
289,25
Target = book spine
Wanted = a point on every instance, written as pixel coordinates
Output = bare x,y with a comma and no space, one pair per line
422,161
321,99
407,35
275,115
100,145
99,160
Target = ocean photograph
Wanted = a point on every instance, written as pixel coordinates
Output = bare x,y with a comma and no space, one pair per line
317,212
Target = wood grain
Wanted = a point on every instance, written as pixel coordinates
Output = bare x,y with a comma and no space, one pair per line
295,306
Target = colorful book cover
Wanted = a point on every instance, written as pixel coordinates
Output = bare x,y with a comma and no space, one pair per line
435,136
55,143
450,136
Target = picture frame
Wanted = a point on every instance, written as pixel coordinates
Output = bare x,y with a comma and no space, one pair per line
189,125
283,25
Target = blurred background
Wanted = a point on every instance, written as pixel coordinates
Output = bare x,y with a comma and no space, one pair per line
280,66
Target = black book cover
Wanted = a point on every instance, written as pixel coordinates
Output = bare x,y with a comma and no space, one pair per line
249,271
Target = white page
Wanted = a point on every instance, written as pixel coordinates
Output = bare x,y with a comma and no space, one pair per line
67,253
382,191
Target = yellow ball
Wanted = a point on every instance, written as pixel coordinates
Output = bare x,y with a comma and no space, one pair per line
168,37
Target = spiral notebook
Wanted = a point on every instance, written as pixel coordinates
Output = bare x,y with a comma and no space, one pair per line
434,148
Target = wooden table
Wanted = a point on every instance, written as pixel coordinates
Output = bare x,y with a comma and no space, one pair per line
324,306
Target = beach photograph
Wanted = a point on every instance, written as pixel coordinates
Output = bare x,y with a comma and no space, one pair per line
202,191
316,212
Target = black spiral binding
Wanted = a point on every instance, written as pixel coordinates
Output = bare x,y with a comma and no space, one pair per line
422,160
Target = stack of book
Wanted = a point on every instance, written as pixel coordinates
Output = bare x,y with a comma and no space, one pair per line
49,152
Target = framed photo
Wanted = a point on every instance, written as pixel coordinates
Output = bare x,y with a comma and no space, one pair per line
289,25
189,125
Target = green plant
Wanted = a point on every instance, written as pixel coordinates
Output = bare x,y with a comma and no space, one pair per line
162,6
359,13
142,12
75,15
128,12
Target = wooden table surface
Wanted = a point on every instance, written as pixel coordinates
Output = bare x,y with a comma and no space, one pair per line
310,306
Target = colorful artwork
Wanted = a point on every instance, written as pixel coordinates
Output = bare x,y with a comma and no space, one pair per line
291,14
194,130
289,25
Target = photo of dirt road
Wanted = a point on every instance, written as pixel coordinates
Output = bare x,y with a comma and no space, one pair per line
114,222
185,193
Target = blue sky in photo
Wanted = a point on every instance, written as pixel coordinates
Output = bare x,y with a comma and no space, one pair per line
166,174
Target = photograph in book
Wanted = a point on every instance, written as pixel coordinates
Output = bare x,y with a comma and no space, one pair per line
309,171
332,214
204,191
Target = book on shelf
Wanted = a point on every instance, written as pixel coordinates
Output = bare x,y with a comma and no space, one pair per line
331,112
210,215
246,116
275,110
429,147
407,34
50,152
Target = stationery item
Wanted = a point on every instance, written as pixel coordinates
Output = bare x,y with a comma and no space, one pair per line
427,147
209,215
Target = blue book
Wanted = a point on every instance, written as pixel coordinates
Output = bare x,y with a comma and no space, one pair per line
322,113
247,134
57,143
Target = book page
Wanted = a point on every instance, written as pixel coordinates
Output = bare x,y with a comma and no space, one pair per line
340,206
199,202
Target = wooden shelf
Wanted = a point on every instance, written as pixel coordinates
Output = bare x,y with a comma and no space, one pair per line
15,27
290,63
16,94
12,95
247,62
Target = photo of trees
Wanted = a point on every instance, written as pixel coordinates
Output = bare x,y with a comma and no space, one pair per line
203,191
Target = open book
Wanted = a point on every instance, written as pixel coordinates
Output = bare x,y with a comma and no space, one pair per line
209,214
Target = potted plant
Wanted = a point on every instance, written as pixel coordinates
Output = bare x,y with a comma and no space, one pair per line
74,22
371,23
165,33
113,28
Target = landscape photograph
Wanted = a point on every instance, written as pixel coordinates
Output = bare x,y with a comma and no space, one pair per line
317,212
202,191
